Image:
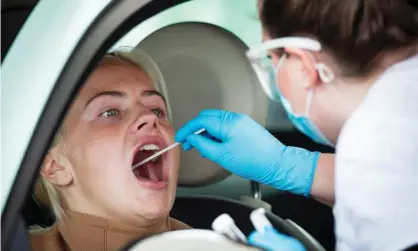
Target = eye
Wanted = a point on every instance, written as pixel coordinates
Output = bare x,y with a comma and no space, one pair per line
276,52
110,113
280,52
159,112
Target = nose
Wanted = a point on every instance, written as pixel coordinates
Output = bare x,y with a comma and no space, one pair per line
146,121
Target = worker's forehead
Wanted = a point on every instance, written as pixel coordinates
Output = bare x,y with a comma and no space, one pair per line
264,35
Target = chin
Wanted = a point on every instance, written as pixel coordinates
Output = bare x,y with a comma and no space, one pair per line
154,209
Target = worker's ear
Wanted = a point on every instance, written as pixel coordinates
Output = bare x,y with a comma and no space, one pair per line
57,169
308,69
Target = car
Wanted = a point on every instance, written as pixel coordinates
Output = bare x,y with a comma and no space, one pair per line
59,45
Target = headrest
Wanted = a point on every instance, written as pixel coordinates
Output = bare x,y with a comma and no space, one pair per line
204,67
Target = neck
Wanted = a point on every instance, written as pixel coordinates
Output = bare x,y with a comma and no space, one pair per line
142,225
80,206
88,232
338,102
387,59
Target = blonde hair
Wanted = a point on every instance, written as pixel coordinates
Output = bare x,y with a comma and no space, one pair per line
125,54
142,60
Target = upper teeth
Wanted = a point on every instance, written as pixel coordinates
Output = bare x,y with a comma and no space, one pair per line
150,147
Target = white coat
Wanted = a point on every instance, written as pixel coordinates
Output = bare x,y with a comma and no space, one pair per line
376,172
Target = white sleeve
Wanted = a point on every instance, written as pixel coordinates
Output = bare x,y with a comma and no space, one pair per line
376,175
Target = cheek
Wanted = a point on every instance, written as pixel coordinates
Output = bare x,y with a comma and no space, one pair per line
290,83
167,130
174,171
105,154
284,82
102,172
176,160
99,157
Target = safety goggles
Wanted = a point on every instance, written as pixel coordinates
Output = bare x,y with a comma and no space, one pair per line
263,65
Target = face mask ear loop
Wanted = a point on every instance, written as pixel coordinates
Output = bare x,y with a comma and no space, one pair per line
326,76
279,64
308,102
325,73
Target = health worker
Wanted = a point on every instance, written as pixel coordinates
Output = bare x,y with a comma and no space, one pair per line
346,73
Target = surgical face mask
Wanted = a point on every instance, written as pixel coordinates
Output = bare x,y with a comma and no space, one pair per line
267,77
301,122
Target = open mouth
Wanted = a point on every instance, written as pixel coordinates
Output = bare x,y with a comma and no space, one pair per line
153,170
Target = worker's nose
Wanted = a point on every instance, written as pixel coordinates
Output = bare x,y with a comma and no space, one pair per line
146,121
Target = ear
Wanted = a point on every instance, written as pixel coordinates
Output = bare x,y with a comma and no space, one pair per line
308,66
56,169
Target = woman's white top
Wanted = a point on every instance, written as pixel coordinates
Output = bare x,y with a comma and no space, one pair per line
376,173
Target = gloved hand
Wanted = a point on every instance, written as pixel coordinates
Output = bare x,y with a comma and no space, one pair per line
245,148
272,240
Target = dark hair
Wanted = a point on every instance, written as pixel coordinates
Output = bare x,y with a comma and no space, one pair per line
354,32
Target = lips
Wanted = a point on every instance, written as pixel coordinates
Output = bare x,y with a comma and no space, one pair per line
153,173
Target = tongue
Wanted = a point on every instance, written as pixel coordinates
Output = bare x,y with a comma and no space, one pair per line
152,173
152,170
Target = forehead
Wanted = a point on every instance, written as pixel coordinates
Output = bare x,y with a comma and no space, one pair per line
112,74
265,36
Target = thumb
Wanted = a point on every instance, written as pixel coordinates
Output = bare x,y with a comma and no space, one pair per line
206,147
187,146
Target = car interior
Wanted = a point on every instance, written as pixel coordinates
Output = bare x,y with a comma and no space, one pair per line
197,54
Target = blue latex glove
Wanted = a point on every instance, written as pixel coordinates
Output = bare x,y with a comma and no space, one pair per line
245,148
272,240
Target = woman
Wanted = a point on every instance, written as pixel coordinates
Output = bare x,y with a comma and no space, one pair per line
120,117
346,73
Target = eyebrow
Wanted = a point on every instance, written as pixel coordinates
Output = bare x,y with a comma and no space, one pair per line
120,94
154,93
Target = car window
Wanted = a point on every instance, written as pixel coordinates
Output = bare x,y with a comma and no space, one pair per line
102,100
